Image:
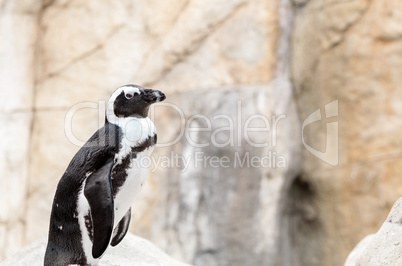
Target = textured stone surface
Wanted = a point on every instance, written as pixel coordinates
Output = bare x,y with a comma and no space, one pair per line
133,250
357,252
382,248
52,149
17,50
348,51
205,55
235,39
17,45
180,47
386,247
198,45
208,218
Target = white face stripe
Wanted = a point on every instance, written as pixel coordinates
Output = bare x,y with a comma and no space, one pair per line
111,117
126,89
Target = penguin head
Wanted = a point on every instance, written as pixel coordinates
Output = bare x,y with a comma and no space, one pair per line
132,101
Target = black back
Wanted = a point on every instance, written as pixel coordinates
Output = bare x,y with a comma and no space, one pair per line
99,193
65,245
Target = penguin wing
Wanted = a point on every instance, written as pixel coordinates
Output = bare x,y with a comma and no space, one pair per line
121,229
99,193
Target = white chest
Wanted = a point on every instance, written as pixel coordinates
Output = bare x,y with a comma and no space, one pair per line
135,132
137,174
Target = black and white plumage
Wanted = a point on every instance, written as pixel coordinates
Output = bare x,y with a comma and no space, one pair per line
92,205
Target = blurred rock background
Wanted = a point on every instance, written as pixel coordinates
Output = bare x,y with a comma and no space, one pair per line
264,57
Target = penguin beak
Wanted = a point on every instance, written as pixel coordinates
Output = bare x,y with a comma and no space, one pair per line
153,96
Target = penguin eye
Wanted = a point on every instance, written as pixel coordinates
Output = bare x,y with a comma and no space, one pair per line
131,95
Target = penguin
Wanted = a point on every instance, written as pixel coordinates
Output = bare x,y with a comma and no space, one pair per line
92,205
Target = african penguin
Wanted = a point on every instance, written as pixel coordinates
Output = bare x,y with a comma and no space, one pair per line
92,205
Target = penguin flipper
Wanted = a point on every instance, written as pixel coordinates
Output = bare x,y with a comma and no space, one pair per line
121,229
99,193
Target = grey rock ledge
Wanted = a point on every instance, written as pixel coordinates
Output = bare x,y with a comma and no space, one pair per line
133,250
383,248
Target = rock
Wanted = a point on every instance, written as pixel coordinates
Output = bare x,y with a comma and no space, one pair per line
341,52
230,37
192,50
133,250
205,55
357,252
385,248
207,215
46,169
18,29
17,52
